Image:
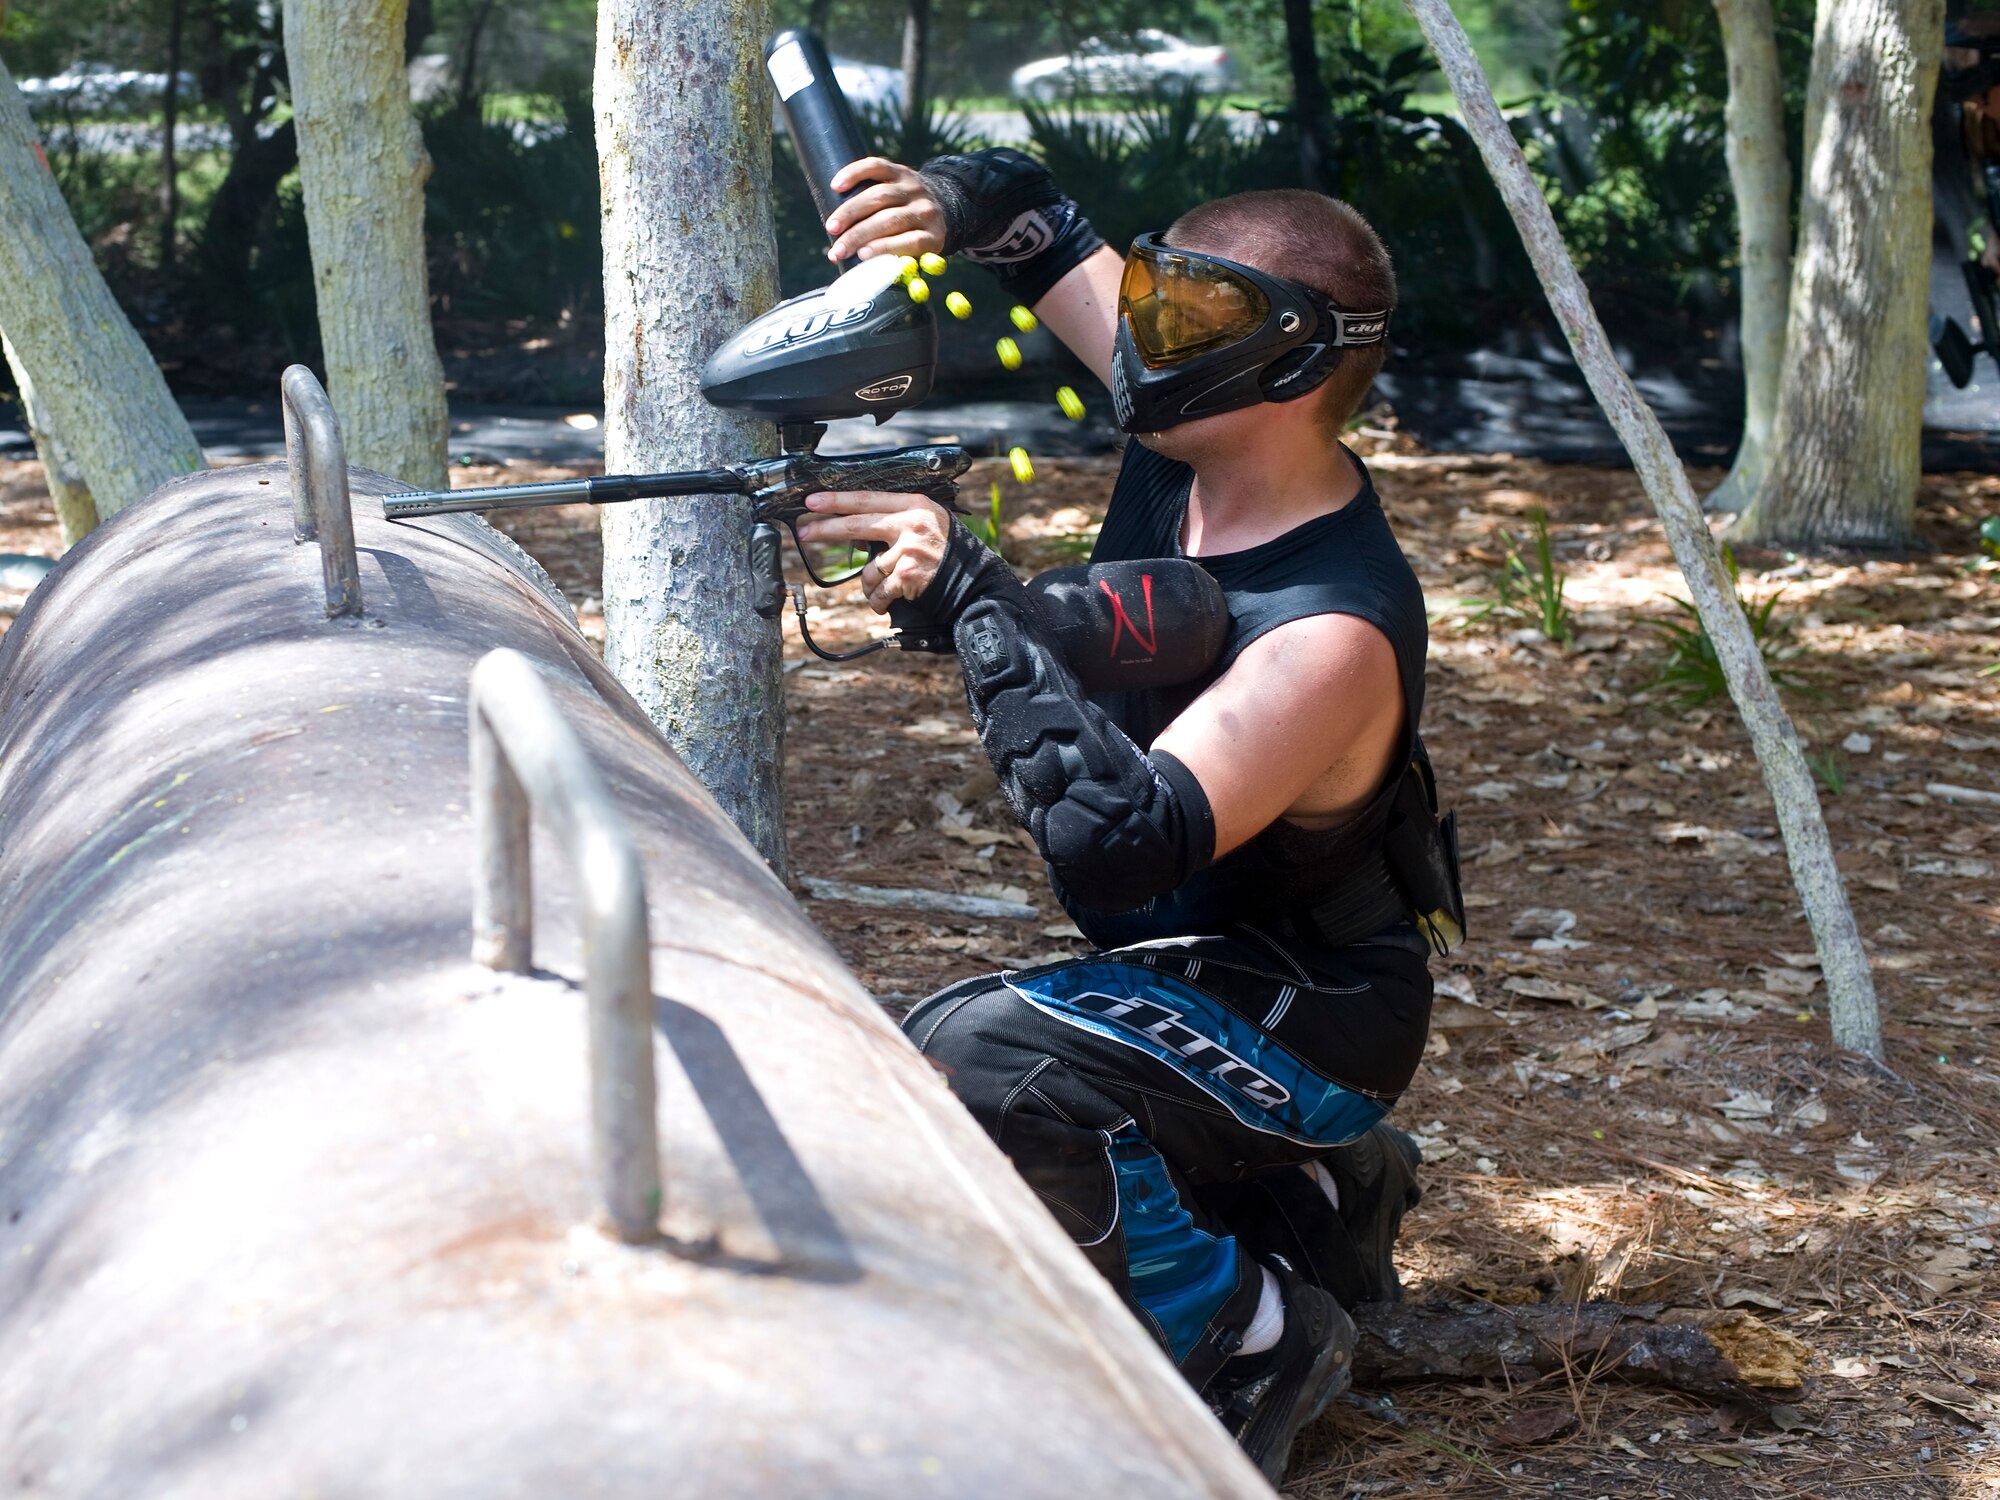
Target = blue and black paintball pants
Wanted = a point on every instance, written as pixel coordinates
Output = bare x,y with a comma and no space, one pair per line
1138,1089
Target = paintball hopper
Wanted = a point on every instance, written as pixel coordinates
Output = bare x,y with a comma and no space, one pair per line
860,347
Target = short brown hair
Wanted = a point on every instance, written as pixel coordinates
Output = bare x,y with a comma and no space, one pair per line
1313,239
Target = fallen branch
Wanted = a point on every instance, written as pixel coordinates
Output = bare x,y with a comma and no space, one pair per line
1724,1356
1850,988
1971,795
949,903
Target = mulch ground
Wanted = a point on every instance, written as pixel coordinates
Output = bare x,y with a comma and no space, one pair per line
1630,1087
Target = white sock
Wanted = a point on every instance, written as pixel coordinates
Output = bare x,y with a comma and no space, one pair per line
1268,1326
1319,1174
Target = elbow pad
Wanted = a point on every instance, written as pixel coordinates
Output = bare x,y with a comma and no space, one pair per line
1128,627
1002,210
1118,826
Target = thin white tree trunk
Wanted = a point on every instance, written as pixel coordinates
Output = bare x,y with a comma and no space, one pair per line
363,166
1850,987
98,386
76,512
684,147
1762,178
1847,444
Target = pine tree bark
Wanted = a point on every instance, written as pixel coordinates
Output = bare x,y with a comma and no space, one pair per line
1846,445
363,166
916,66
684,150
1309,101
97,384
170,118
76,512
1850,987
1761,176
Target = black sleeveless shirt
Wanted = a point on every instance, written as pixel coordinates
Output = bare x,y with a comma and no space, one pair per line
1345,563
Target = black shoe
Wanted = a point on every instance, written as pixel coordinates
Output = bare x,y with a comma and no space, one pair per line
1376,1177
1266,1400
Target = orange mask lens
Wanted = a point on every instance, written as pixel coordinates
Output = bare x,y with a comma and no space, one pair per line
1178,306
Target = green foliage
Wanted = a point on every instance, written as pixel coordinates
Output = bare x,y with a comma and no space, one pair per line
1692,673
1540,583
1989,536
1525,588
987,527
511,215
1827,767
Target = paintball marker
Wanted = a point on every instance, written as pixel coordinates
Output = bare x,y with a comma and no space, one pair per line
862,346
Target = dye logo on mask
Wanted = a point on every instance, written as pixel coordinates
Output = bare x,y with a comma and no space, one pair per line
1149,1018
1122,623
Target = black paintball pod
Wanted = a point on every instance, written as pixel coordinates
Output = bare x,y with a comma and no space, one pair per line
1130,626
817,116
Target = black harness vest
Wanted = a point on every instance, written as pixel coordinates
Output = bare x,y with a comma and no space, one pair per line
1323,887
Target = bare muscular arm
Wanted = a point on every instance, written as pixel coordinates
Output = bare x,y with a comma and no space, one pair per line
1303,725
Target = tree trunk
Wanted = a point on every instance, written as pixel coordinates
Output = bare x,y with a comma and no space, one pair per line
102,393
170,112
916,63
76,512
363,166
247,192
684,146
1846,446
468,73
1308,97
1850,987
1761,175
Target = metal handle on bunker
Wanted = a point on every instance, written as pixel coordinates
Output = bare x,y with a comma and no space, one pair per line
817,115
527,759
322,509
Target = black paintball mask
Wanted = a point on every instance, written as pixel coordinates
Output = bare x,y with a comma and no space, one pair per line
1198,335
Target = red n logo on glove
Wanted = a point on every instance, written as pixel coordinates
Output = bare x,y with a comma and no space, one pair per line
1148,639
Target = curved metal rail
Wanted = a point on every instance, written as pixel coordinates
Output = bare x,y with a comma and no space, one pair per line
524,757
317,459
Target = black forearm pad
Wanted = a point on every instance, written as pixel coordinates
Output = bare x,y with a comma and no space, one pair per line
1130,626
1118,826
1002,210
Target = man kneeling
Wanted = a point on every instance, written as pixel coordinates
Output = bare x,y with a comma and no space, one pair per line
1255,853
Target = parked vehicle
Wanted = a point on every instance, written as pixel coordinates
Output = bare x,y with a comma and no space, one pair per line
1146,60
869,84
97,86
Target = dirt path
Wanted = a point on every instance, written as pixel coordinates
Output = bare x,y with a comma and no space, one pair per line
1630,1088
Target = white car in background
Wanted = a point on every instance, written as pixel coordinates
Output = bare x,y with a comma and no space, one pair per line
1150,60
101,86
869,85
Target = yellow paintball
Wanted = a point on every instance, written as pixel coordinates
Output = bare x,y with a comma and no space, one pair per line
1009,352
932,263
1070,402
1023,469
1021,318
959,303
920,289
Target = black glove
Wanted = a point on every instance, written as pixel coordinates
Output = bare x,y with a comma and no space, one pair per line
1129,626
969,571
1003,211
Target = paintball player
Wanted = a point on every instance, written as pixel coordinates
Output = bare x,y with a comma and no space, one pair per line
1256,856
